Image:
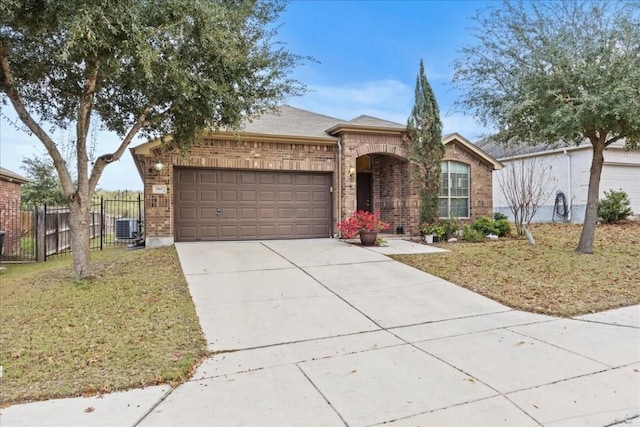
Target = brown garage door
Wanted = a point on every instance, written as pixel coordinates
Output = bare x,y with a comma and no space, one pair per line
214,204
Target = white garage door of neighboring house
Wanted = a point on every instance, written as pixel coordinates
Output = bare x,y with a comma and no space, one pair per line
623,177
217,204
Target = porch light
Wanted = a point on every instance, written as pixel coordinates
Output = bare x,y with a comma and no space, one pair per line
352,171
158,166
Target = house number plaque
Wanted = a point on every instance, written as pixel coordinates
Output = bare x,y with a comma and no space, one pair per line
159,189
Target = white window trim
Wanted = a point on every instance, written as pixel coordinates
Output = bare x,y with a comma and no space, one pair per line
449,197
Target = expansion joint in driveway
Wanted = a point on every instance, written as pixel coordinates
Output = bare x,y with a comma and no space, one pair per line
321,394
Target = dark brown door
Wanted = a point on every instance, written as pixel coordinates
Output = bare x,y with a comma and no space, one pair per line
363,188
216,204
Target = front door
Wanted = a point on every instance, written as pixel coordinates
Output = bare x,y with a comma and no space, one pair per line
363,188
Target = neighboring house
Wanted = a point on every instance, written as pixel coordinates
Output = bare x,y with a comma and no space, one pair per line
570,169
10,198
294,174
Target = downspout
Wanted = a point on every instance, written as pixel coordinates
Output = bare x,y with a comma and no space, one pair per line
339,181
568,183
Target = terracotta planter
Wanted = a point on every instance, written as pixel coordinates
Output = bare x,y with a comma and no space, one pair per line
368,238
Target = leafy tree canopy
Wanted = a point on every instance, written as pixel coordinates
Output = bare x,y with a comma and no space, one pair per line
149,67
43,186
158,67
555,71
562,71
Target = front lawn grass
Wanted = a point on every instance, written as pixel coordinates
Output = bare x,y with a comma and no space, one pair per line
133,325
550,277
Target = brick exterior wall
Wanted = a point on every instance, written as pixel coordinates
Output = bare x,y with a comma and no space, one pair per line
394,185
226,154
10,216
481,191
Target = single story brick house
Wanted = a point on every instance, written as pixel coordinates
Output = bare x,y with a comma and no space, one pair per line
294,174
10,219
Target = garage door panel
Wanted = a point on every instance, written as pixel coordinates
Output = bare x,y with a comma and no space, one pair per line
229,214
285,196
188,232
248,231
242,205
303,214
228,177
250,214
319,213
284,179
207,214
267,196
303,196
228,196
249,196
285,213
320,196
208,196
304,180
319,180
267,214
187,214
187,195
268,179
207,177
187,176
303,229
208,232
267,231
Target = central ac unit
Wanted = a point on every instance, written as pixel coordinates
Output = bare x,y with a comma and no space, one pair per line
126,228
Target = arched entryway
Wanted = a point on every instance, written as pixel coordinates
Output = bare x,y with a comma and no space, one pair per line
384,183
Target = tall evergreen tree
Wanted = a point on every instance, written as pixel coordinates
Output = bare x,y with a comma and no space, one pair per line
424,129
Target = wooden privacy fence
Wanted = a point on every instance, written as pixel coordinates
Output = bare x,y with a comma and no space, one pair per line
44,231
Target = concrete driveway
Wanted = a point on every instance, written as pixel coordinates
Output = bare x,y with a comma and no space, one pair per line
319,332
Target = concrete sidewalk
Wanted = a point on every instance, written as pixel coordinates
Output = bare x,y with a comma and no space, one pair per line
319,332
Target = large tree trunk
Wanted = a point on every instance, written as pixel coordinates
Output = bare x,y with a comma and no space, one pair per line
79,211
585,245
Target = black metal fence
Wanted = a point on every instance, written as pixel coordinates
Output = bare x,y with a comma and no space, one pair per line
40,232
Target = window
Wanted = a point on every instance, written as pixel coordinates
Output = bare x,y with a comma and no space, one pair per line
454,190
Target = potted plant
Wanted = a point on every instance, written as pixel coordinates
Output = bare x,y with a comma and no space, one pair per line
367,225
432,231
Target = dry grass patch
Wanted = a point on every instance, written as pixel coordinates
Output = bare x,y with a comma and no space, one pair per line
550,277
133,325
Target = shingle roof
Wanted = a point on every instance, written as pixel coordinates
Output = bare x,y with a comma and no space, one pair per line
291,121
375,122
7,175
501,151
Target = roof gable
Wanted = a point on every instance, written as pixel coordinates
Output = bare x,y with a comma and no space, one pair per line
447,139
365,120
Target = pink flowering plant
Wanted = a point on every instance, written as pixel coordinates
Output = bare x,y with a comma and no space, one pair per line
361,221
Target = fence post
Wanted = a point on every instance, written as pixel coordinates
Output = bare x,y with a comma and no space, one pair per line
101,220
139,218
41,233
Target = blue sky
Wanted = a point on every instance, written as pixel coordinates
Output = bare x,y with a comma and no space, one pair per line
368,54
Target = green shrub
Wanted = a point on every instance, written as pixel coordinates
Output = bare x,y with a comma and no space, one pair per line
497,216
503,226
614,207
451,228
470,234
486,226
